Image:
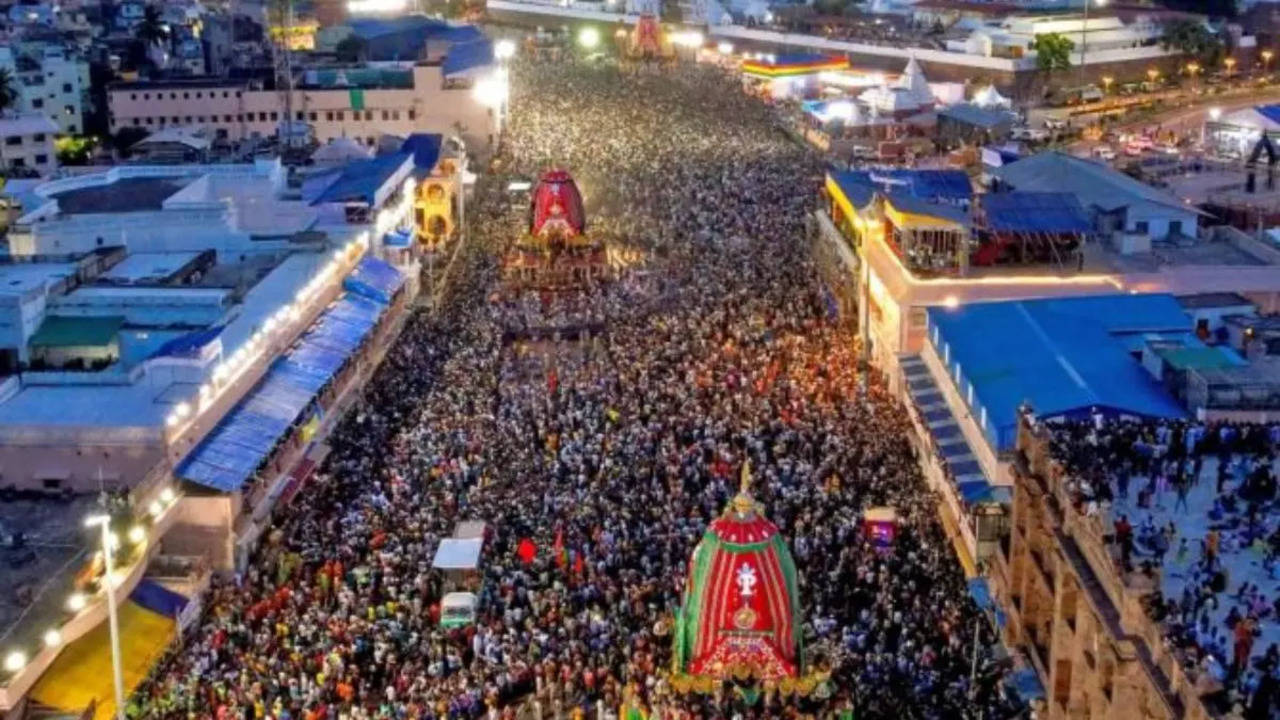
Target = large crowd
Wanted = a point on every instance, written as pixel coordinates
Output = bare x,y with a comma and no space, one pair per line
1195,505
608,452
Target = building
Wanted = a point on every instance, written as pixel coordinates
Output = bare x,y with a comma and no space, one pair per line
1080,616
970,124
355,102
187,372
1067,357
26,143
51,81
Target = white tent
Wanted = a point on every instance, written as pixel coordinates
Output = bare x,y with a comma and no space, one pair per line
455,554
915,85
340,151
989,97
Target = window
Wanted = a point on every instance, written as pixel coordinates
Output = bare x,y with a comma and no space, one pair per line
200,118
1175,227
368,115
395,114
341,116
66,87
38,137
300,116
173,96
18,162
133,96
262,117
148,121
146,96
13,140
197,95
186,96
227,118
329,116
386,115
225,93
275,115
176,119
68,109
371,141
314,117
188,120
137,121
240,117
42,159
412,114
51,483
72,129
1141,227
37,103
237,93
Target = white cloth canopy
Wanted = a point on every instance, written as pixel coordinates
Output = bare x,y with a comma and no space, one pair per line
455,554
989,97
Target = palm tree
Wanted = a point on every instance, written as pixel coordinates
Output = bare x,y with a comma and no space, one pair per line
8,90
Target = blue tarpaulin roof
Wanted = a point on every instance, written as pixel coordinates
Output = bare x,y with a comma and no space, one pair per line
157,598
1270,112
190,344
425,148
468,56
355,182
396,238
1026,684
1065,356
374,279
855,187
1047,212
923,184
232,452
981,593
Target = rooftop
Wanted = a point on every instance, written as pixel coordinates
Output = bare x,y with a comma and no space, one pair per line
1213,300
1065,356
124,195
26,125
149,267
19,278
1094,184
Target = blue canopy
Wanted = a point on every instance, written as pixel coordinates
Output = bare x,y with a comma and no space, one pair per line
375,279
232,452
157,598
188,345
1066,356
425,148
981,593
358,181
931,185
468,56
1026,684
1047,212
396,238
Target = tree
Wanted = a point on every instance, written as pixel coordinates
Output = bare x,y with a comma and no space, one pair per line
1053,52
1195,41
352,48
8,90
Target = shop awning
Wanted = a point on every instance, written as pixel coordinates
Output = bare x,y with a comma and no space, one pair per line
230,455
375,279
82,672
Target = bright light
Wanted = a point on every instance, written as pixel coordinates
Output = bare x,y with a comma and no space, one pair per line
171,420
841,110
1215,113
53,638
137,534
725,48
375,6
166,495
951,302
155,508
97,521
588,37
76,602
504,49
690,38
491,92
14,661
182,409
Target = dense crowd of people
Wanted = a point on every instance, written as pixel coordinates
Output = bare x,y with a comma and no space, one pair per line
1196,503
606,453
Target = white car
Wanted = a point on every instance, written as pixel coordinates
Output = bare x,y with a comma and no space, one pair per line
1105,152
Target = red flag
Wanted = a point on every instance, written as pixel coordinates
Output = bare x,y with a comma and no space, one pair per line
553,381
558,549
577,562
527,551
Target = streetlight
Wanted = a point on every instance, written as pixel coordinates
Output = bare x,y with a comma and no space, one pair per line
589,37
1230,63
1266,61
1084,36
1192,69
504,50
1106,83
104,522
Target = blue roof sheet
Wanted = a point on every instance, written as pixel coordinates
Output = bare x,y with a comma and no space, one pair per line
1270,112
468,56
357,181
1064,355
857,190
905,202
786,59
425,148
1035,212
190,344
375,279
923,184
230,455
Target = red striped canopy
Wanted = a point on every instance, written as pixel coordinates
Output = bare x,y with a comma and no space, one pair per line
740,618
556,206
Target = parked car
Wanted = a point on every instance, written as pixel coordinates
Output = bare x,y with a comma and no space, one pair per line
1104,152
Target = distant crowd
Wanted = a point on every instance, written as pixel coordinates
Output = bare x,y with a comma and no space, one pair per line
606,454
1196,503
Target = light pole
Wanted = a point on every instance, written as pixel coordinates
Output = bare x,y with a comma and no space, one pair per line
104,522
1266,61
1231,65
1084,37
1192,69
